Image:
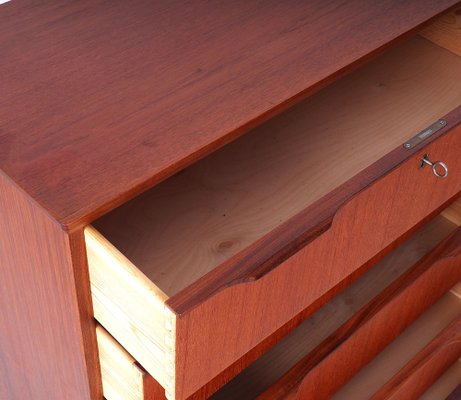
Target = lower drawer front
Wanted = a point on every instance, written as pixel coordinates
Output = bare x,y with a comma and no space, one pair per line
122,377
327,350
428,356
447,385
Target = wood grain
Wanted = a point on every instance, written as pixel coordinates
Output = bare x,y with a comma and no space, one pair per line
261,348
353,344
310,340
408,346
210,297
47,333
424,369
271,307
102,100
446,31
132,308
445,385
84,302
122,377
294,241
200,218
131,342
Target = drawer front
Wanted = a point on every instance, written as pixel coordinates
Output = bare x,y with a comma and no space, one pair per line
426,367
447,387
122,377
345,351
233,320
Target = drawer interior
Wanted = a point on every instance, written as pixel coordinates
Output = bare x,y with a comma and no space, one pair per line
181,229
402,350
305,339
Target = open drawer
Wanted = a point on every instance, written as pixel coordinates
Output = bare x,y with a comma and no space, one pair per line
195,273
412,283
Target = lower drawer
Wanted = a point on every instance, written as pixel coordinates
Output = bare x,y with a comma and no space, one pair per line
415,360
328,349
446,385
122,377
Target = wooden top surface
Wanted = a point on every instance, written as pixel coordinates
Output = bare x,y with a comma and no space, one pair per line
100,100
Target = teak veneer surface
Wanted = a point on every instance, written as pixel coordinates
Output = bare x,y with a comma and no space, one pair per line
189,224
337,359
327,323
426,367
407,346
445,385
101,100
47,337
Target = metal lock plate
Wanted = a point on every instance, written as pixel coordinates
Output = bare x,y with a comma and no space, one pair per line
424,134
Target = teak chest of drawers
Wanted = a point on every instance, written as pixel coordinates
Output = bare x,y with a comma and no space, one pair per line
232,201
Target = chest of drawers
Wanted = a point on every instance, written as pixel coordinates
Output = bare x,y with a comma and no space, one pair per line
237,200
